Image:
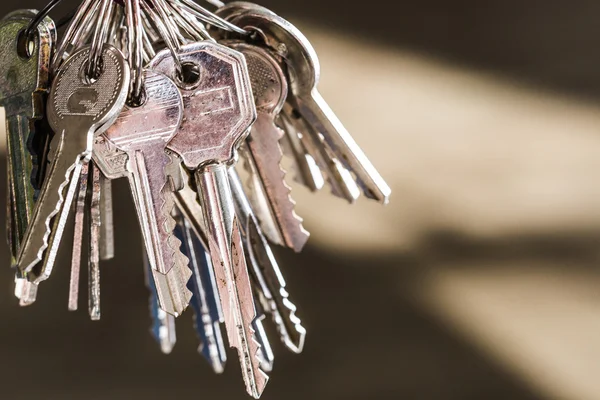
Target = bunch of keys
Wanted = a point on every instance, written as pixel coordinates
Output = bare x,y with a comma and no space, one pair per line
170,96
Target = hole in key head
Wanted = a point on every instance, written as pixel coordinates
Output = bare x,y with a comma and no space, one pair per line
90,77
189,74
25,44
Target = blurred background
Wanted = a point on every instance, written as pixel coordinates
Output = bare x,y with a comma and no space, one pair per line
481,278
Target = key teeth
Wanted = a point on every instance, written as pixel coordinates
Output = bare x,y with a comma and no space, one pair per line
40,254
295,242
260,384
294,346
180,263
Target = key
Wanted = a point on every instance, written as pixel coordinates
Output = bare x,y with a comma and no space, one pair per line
78,109
304,72
265,272
218,112
205,302
143,132
163,323
307,169
94,243
340,180
269,87
23,90
78,233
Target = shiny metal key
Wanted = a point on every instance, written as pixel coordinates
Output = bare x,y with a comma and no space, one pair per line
78,108
207,309
24,68
303,68
143,132
265,272
269,87
218,112
340,180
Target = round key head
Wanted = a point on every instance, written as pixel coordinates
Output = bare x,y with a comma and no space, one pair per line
269,84
217,98
25,61
301,58
90,103
155,121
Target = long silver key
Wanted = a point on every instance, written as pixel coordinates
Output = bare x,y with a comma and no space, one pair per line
205,302
218,112
266,274
78,109
143,132
25,68
107,234
304,71
269,87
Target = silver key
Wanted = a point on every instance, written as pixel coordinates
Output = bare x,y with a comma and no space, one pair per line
304,72
219,111
77,110
205,302
267,276
143,132
25,69
269,87
265,353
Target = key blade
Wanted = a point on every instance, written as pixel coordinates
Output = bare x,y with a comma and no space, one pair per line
205,301
233,282
266,272
323,119
263,146
163,324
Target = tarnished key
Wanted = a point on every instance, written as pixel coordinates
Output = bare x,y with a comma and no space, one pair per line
163,324
143,132
340,180
269,87
266,275
205,302
78,108
302,67
24,68
94,220
107,234
218,112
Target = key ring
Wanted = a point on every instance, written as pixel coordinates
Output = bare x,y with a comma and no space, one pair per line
161,20
135,48
35,22
94,65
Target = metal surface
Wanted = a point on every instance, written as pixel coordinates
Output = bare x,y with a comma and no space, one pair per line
76,111
269,87
143,132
